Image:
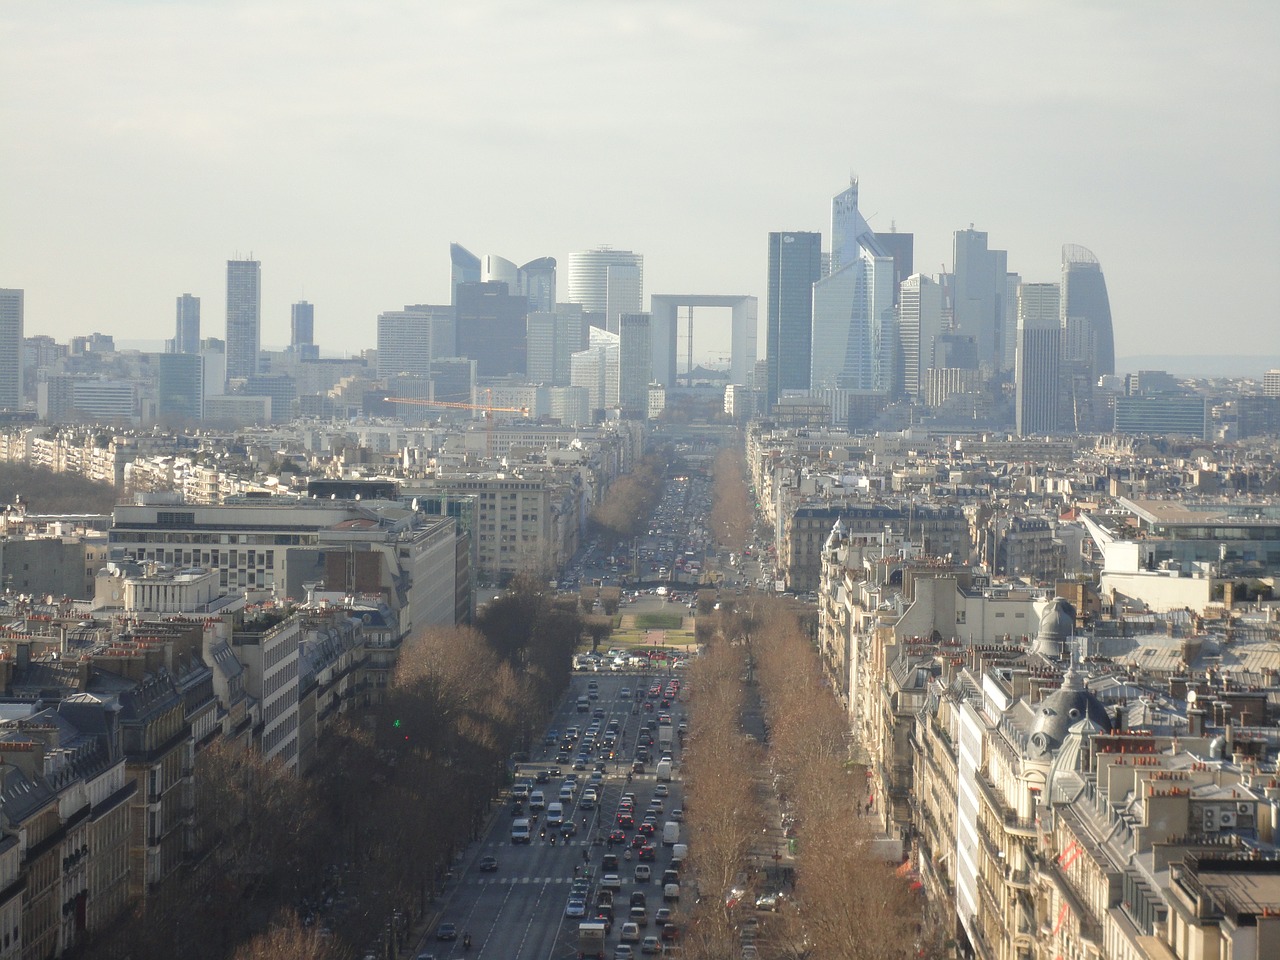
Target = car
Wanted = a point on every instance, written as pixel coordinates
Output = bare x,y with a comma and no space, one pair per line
648,853
638,767
630,933
651,945
638,899
677,815
580,763
662,915
656,805
670,932
569,829
576,908
646,829
609,863
769,901
661,790
611,881
542,776
446,931
644,873
488,864
580,888
623,951
617,836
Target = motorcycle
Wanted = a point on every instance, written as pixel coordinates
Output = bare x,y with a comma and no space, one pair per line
466,941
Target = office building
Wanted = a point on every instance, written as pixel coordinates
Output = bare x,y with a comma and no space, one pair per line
596,368
1271,383
853,344
665,317
1163,415
919,326
244,317
501,270
901,247
1011,283
302,324
1037,377
608,282
11,317
464,267
538,284
491,328
978,296
794,265
404,343
180,388
186,335
635,362
1087,309
553,337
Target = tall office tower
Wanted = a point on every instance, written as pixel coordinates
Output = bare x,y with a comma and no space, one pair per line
596,368
302,324
1271,383
795,262
900,246
464,267
180,388
186,336
501,270
919,326
553,338
1010,337
853,345
635,359
1084,297
11,311
538,283
1037,377
244,313
491,328
606,281
441,319
978,299
404,343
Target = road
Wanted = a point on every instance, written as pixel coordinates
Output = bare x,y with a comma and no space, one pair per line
518,911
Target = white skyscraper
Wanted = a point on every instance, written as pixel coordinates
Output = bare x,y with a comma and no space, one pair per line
1036,374
11,317
919,325
607,292
404,343
597,368
244,317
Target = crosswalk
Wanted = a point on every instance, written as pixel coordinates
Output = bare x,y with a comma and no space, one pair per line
482,881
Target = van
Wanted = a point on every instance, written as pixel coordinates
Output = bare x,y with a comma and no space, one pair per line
678,853
670,833
520,831
555,814
671,892
537,801
664,771
584,705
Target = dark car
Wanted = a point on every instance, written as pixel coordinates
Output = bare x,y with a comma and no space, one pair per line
488,864
638,767
569,828
446,931
649,852
542,776
617,836
610,861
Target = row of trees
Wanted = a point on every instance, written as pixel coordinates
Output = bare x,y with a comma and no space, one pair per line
630,499
732,513
398,790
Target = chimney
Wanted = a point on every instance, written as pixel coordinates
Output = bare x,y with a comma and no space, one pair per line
24,655
1195,717
1117,723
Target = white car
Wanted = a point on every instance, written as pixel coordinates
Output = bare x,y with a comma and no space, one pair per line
611,881
661,790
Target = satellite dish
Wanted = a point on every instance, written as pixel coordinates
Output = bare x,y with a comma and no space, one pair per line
1191,696
414,505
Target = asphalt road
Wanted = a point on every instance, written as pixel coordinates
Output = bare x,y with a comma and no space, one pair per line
518,911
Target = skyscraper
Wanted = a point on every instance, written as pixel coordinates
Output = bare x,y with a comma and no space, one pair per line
919,326
404,343
795,262
553,338
302,324
978,295
464,267
491,328
186,337
1037,376
11,316
1084,299
538,283
180,387
501,270
608,282
635,359
244,312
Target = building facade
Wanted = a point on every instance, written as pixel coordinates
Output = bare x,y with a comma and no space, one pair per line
244,317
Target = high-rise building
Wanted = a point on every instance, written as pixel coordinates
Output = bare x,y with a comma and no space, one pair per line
919,326
608,282
180,388
491,328
853,345
464,267
795,261
302,324
553,338
978,295
244,317
1091,340
186,336
635,358
596,368
538,283
11,317
900,246
1037,376
404,343
1271,383
501,270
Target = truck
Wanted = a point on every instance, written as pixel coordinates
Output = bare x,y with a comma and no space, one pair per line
664,737
590,940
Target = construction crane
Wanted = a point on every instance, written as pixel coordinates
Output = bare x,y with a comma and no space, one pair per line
487,408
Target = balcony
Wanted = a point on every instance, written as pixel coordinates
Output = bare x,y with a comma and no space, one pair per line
1019,879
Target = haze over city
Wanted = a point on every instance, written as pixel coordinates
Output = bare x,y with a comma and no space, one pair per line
345,146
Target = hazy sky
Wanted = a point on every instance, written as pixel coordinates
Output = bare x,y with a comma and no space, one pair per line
346,144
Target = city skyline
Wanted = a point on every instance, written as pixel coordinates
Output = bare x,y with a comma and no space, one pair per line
184,174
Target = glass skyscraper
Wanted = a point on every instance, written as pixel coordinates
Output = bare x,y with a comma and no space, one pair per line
795,264
1086,312
186,336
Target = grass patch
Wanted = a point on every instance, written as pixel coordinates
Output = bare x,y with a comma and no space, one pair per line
659,621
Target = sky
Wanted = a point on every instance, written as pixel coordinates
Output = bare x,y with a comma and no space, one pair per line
345,144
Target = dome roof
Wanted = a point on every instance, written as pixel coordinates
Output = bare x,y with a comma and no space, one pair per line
1057,624
1064,708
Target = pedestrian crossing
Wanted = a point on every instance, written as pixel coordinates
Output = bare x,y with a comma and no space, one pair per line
482,881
